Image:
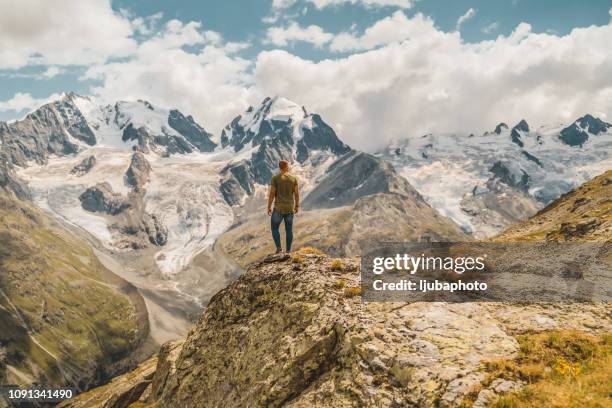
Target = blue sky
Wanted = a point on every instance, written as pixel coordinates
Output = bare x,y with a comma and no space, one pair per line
52,55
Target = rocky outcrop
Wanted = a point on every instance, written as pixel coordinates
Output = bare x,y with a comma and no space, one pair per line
500,127
581,215
293,332
101,198
193,132
155,229
511,175
517,131
135,387
494,205
9,180
139,172
84,166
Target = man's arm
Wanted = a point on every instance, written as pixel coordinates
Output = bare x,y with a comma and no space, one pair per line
296,197
271,195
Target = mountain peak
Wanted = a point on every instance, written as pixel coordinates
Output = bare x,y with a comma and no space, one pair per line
516,133
72,96
500,127
577,133
592,124
279,129
278,108
274,117
522,125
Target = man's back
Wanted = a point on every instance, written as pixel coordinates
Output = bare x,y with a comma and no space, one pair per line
284,185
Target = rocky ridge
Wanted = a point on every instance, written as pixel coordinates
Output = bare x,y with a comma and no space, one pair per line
583,214
294,332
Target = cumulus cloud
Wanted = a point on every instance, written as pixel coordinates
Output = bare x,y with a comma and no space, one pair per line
182,66
467,16
61,33
145,25
22,101
282,36
394,28
435,82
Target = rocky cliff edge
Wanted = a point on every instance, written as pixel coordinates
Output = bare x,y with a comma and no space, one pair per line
293,331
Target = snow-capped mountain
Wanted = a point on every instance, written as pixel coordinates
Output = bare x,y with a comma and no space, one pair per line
489,181
106,169
277,129
74,123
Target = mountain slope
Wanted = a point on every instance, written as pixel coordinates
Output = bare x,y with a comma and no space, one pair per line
488,182
293,332
584,214
65,319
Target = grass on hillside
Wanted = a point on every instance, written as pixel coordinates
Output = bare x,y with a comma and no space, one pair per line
561,368
68,315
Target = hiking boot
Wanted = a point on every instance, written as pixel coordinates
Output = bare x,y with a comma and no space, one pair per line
279,250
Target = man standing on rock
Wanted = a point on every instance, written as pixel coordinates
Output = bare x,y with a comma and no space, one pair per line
286,197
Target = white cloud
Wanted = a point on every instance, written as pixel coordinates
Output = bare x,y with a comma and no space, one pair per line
394,28
367,3
61,33
490,28
21,101
282,36
283,4
145,25
467,16
435,82
52,72
207,80
409,78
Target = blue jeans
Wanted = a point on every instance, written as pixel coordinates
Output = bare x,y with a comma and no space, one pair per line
275,221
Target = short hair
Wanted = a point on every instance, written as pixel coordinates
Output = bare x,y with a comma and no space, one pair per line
283,164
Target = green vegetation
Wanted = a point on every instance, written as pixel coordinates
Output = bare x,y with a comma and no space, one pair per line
337,265
64,318
560,368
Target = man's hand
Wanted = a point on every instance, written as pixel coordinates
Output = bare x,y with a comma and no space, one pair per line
269,211
296,209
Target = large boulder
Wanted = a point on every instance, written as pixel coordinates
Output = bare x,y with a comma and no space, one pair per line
101,198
